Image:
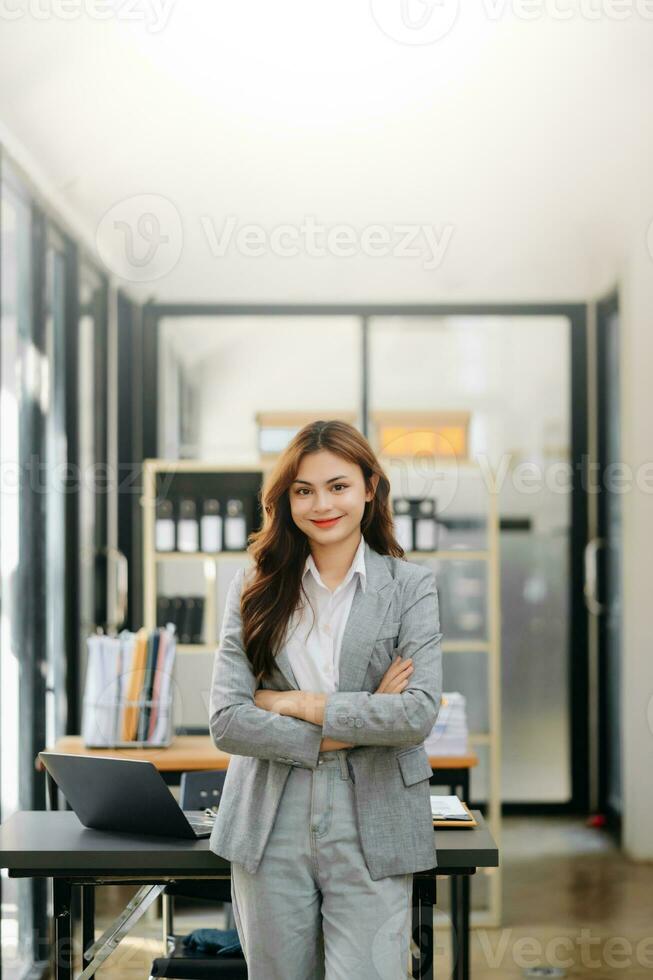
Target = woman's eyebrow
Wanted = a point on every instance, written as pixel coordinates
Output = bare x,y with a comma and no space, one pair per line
343,477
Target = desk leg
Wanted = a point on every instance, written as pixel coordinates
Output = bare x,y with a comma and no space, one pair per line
465,904
63,931
460,900
88,921
52,791
454,901
464,928
424,897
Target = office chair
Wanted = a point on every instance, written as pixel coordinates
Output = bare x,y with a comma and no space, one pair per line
197,791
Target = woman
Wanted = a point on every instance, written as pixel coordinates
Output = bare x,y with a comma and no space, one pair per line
325,812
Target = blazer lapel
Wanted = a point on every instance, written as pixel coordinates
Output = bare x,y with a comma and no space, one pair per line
368,610
367,613
284,667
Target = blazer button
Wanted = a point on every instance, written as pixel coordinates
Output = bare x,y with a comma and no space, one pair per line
359,723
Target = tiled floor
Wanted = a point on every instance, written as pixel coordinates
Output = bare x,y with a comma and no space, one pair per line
578,904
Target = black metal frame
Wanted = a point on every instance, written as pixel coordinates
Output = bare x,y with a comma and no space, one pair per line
73,408
576,314
133,366
424,900
32,531
606,307
71,501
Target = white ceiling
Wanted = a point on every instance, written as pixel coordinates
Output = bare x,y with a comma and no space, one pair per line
525,146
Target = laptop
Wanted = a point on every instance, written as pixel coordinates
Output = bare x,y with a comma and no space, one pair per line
123,796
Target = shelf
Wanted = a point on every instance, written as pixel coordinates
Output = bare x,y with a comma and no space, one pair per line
215,555
466,646
482,555
200,466
196,647
197,555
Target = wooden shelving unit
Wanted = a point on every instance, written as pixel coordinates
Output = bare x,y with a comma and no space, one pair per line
491,647
153,469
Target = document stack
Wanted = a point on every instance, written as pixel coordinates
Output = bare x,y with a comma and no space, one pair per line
128,690
449,735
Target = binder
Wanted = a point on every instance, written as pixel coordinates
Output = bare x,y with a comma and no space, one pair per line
127,695
134,686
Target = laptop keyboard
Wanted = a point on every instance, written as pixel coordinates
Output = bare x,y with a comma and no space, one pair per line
200,822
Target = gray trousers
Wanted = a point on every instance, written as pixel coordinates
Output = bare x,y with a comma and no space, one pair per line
311,910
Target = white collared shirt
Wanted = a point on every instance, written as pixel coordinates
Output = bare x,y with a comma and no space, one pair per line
313,646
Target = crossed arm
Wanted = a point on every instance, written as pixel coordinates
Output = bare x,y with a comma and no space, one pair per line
294,726
310,706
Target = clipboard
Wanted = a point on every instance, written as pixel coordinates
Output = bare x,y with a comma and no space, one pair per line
467,824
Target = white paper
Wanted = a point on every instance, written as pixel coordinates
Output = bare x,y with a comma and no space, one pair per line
449,735
447,807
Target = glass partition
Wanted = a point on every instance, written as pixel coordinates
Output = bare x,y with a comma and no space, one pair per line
511,376
216,374
19,363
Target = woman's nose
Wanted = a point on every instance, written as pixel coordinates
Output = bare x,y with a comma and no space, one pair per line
323,504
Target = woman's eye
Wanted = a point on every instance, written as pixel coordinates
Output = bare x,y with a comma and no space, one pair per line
300,492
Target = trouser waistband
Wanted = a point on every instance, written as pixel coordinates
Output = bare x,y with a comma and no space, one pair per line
335,757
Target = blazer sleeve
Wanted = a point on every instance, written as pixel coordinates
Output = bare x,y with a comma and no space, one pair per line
405,719
237,725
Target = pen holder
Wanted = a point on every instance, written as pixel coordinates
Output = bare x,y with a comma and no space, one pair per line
108,723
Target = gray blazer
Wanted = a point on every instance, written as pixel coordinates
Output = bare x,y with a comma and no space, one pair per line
397,613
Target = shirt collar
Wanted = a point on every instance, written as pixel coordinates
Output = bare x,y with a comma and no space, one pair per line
357,565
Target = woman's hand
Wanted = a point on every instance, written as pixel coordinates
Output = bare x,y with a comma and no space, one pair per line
331,744
297,704
396,676
283,702
304,705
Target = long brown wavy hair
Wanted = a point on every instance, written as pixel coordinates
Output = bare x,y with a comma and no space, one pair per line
280,548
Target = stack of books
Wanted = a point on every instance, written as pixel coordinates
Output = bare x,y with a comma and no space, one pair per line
449,735
128,689
450,811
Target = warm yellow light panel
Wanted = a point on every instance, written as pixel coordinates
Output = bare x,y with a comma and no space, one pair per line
447,440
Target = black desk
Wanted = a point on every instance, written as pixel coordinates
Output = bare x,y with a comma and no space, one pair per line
56,845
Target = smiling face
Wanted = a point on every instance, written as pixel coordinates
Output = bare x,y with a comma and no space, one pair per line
327,498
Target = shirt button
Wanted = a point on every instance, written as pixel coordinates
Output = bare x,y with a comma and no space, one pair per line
359,723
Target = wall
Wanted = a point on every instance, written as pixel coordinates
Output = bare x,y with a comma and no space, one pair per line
637,443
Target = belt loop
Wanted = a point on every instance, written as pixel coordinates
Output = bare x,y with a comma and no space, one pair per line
344,768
